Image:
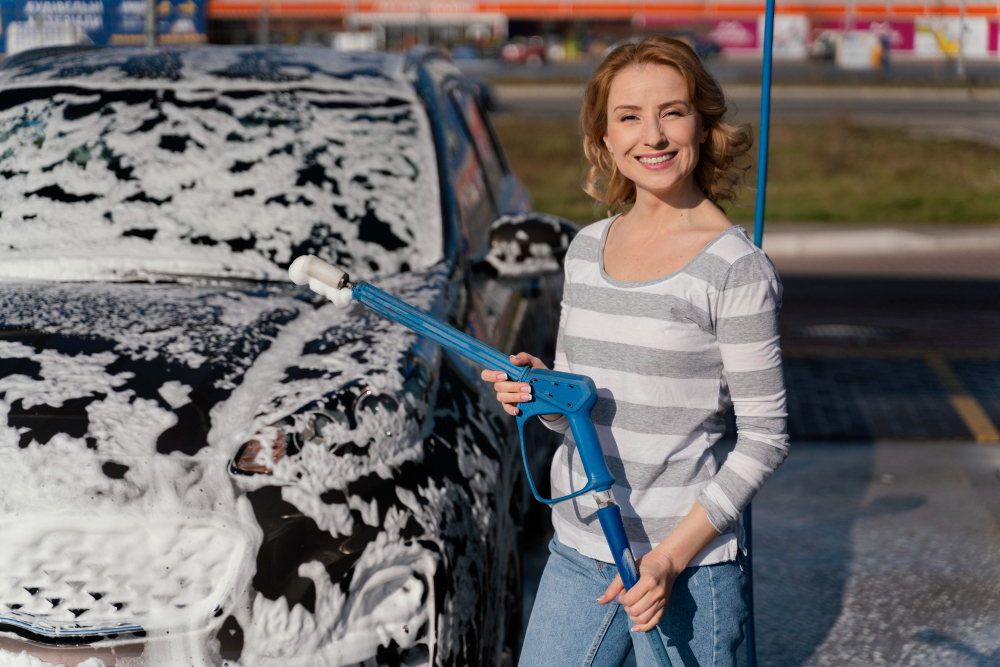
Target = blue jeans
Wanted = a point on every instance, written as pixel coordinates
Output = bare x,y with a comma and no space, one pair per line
702,625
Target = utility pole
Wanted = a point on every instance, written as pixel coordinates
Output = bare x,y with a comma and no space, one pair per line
960,64
150,24
264,23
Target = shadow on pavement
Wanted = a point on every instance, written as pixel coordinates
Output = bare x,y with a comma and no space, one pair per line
978,658
802,546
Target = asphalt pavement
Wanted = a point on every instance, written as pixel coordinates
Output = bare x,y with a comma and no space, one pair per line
879,553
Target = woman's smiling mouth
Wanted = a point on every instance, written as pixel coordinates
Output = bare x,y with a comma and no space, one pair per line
657,160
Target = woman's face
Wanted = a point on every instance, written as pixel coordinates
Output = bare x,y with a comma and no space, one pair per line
654,133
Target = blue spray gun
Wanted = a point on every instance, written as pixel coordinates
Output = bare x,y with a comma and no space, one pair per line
553,392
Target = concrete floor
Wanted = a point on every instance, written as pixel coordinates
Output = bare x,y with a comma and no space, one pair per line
870,554
880,554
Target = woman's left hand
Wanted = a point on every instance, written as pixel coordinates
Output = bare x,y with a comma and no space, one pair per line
645,603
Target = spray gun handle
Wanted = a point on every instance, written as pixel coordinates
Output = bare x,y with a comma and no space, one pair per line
574,396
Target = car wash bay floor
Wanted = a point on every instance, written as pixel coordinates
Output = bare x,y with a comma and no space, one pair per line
884,553
878,541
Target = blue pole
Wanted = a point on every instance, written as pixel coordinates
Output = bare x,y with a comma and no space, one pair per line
758,238
765,125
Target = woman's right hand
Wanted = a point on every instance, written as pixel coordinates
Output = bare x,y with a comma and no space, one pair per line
511,393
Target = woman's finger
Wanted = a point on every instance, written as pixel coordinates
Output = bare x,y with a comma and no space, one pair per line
493,376
642,588
646,611
650,624
513,398
612,591
512,388
525,359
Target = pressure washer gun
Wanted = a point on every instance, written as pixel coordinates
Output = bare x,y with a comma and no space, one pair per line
552,392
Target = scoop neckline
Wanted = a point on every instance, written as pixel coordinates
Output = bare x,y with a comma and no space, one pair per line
644,283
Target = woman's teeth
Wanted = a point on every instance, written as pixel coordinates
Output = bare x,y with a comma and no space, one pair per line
657,160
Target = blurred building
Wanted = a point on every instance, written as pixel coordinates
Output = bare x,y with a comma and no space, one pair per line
803,27
856,32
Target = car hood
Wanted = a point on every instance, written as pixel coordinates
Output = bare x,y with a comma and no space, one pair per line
94,376
155,388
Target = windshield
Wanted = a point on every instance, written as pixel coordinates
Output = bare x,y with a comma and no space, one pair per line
127,184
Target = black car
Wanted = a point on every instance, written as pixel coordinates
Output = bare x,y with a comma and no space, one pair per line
203,462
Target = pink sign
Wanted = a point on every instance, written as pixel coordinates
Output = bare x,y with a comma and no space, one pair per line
994,40
735,34
730,34
900,33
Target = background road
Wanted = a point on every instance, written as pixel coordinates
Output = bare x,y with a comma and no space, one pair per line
730,69
963,113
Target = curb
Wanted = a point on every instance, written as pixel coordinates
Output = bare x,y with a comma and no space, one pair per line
885,241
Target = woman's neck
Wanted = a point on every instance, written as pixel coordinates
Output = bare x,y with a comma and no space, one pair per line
675,209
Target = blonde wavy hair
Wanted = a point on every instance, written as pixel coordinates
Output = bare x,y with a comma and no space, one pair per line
716,172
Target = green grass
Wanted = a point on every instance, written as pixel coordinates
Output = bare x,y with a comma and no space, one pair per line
832,172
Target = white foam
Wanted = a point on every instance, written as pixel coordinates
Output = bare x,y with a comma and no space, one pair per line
178,489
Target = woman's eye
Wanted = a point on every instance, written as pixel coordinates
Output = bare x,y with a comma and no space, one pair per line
629,117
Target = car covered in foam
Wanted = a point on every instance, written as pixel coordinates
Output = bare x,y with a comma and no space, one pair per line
204,463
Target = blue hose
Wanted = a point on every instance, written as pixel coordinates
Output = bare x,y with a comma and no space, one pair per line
758,239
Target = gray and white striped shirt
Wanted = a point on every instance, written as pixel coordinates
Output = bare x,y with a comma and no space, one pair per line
669,356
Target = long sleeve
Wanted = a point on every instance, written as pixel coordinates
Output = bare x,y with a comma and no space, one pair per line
746,328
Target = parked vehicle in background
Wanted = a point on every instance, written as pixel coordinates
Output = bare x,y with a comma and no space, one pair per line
204,462
524,50
824,45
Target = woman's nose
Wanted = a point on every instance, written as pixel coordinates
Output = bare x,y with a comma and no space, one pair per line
655,135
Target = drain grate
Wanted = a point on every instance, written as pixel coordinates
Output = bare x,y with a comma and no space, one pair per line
855,333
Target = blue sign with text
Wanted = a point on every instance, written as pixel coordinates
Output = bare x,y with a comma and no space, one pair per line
28,24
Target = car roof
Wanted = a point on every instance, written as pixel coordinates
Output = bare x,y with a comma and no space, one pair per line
206,66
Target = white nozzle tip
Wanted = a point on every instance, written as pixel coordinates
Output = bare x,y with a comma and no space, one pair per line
322,278
297,271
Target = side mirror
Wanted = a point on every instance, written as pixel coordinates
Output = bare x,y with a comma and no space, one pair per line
527,245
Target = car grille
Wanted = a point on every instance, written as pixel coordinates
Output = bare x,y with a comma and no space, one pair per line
75,573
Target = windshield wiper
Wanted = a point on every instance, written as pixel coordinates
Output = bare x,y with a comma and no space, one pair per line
146,275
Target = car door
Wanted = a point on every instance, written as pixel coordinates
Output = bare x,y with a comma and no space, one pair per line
485,189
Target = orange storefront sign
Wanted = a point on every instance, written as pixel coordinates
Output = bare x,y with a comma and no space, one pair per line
571,9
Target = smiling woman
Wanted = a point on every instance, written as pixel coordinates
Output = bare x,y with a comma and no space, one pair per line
672,311
686,91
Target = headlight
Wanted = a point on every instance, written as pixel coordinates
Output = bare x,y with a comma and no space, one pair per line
287,436
371,405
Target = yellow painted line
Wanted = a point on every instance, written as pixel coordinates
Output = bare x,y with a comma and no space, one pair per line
965,404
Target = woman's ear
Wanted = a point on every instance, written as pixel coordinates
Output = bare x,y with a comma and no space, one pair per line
607,144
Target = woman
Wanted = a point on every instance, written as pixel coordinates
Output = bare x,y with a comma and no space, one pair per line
673,312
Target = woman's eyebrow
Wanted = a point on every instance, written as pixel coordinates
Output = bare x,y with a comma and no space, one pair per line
633,107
